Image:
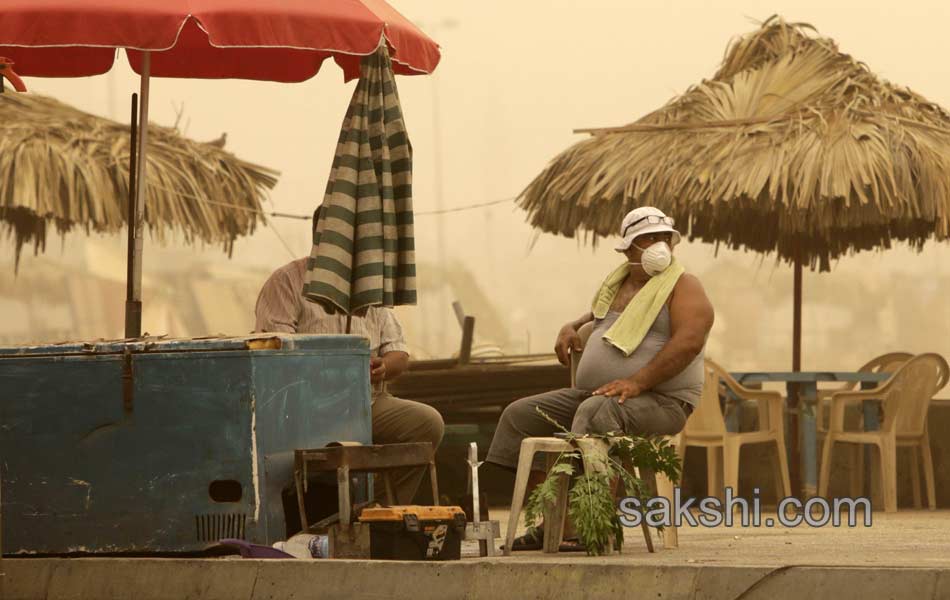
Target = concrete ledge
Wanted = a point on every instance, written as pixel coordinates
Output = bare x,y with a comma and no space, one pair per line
235,579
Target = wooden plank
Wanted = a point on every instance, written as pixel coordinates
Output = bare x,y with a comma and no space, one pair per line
510,360
477,393
468,335
366,458
484,377
273,343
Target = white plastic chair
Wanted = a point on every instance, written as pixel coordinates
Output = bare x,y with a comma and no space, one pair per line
706,428
886,363
905,401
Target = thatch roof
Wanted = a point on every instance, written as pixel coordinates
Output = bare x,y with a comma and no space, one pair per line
792,147
63,168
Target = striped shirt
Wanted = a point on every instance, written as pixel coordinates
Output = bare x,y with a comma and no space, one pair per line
282,308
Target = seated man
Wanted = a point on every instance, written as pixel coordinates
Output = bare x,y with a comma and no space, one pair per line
281,307
642,370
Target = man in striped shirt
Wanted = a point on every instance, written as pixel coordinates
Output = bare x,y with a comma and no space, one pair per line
281,307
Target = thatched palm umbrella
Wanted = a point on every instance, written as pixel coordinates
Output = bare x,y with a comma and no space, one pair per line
792,147
63,168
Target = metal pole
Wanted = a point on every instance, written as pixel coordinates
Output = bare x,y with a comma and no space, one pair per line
440,324
473,465
795,460
483,532
797,318
468,334
140,189
3,573
133,308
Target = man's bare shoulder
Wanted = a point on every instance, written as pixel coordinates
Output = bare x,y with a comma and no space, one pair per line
690,300
689,284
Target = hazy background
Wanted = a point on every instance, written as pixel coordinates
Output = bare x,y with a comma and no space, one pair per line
515,79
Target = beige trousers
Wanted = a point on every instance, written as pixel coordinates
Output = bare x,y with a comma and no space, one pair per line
398,421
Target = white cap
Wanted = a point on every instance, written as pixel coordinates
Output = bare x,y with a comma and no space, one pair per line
637,223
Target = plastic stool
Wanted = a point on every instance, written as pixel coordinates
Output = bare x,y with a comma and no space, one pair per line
593,452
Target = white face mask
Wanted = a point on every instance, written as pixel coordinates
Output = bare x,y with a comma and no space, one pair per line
655,259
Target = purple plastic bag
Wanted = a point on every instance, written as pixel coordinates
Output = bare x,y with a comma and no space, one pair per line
249,550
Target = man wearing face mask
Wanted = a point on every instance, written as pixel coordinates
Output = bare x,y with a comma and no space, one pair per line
642,369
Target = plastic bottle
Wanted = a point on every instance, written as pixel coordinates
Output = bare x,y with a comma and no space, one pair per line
305,545
320,546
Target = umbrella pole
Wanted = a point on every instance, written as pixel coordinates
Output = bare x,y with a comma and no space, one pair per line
136,258
797,318
3,573
133,309
795,460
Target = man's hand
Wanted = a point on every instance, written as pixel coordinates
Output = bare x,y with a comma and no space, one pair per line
377,369
567,341
625,388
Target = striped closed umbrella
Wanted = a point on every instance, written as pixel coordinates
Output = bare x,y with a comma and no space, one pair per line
363,252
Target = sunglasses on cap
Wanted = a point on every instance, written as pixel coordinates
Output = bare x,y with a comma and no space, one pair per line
651,220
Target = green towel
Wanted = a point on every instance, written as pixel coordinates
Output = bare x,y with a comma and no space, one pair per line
635,321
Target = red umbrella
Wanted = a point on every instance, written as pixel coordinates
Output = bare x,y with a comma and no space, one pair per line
270,40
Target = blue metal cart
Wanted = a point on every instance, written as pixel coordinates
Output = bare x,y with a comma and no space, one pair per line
168,445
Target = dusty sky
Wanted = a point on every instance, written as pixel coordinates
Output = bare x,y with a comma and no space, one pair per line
515,79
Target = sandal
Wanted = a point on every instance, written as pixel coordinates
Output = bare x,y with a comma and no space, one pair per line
572,545
529,541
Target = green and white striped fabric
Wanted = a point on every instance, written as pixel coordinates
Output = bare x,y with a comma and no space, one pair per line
364,251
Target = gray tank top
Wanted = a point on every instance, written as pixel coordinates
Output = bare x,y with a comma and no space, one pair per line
601,362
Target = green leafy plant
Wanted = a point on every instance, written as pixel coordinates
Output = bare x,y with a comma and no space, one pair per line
593,512
592,506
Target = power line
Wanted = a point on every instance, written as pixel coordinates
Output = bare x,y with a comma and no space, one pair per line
282,240
283,215
251,209
461,208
